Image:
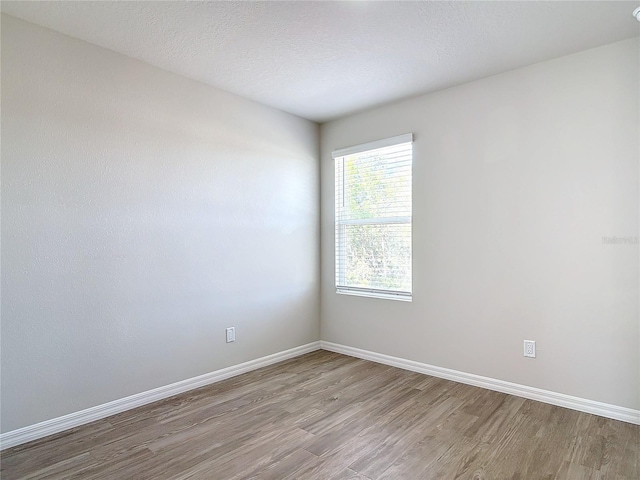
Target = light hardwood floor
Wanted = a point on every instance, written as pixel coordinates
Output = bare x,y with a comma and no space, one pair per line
329,416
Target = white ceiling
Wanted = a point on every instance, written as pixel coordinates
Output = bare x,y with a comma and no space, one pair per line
322,60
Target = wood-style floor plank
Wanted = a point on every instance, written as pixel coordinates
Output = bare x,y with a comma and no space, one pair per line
327,416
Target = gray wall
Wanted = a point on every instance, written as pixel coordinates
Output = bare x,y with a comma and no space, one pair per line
517,178
142,213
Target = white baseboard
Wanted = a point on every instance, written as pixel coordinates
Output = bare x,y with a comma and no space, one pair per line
76,419
56,425
575,403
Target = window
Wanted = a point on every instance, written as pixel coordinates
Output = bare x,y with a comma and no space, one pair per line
373,218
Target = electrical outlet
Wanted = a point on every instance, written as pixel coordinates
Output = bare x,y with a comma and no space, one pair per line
231,334
530,348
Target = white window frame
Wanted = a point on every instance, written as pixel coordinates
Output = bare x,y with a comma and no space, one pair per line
341,224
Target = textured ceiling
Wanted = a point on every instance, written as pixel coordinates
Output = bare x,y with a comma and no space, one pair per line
322,60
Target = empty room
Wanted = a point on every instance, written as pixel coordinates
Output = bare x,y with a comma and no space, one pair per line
320,240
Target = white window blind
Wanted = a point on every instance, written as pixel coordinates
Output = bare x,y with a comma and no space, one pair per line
373,218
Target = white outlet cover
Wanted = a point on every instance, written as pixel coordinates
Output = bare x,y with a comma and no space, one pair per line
231,334
530,348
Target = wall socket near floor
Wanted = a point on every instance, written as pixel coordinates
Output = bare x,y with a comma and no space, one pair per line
231,334
530,348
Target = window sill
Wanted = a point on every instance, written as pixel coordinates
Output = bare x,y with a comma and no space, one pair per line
375,294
